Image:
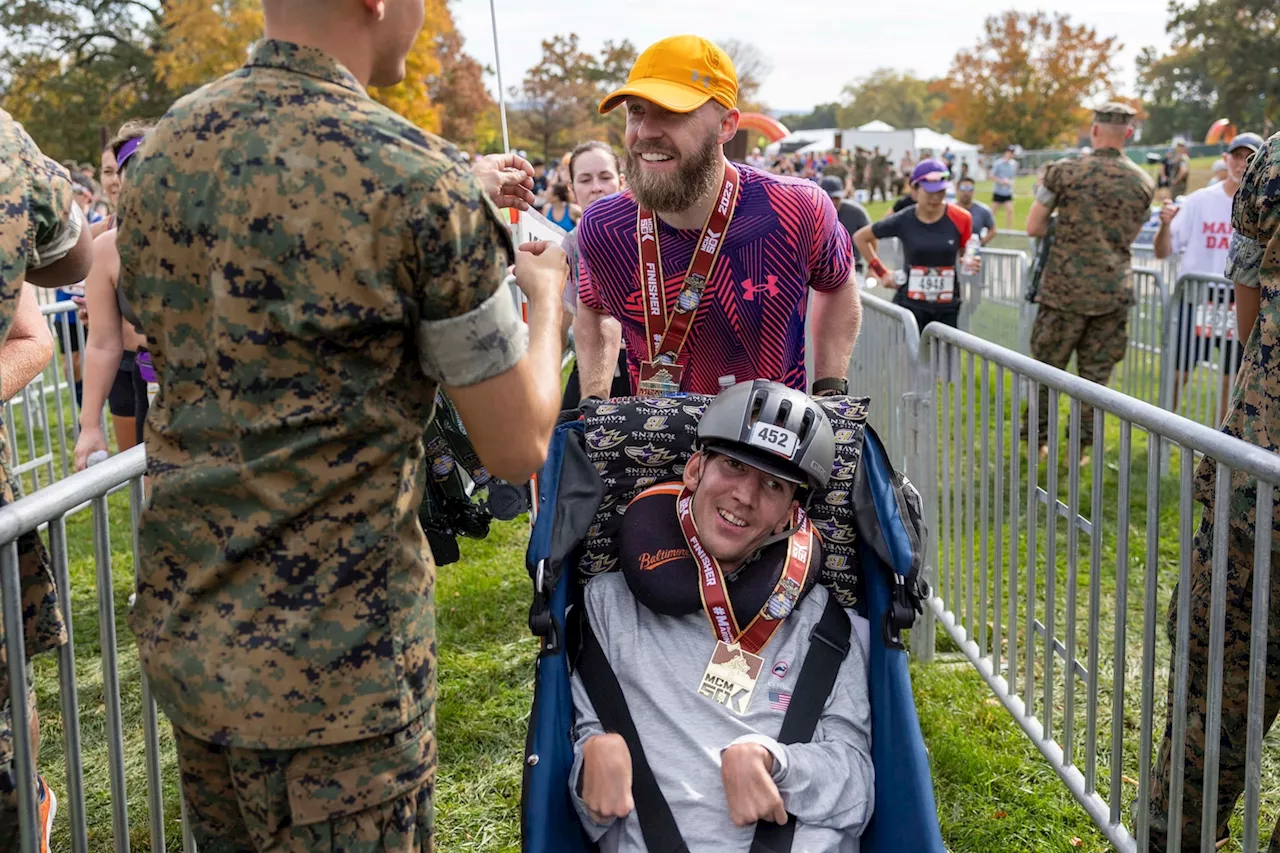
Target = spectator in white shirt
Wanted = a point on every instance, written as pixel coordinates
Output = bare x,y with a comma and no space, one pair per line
1199,230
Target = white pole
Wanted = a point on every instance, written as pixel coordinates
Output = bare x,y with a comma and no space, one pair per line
502,92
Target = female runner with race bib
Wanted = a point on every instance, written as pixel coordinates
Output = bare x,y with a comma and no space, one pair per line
934,235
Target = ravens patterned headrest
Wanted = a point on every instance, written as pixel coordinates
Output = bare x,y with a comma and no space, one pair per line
635,442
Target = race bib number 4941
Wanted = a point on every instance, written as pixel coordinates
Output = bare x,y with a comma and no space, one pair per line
932,284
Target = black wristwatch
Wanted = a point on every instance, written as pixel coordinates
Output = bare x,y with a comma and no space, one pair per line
831,387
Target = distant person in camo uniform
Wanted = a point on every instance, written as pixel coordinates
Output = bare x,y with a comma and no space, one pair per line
44,240
309,267
1253,265
1102,201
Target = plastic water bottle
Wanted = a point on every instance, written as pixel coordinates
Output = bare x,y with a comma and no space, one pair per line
95,457
971,254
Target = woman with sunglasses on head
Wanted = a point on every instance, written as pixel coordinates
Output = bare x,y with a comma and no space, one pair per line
115,350
934,236
594,173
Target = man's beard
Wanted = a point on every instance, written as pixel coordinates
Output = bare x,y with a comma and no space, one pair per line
696,176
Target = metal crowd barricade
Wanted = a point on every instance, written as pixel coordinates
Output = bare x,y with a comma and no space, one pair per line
43,419
1140,368
1018,241
1143,257
1047,622
994,308
1201,348
51,506
883,368
890,252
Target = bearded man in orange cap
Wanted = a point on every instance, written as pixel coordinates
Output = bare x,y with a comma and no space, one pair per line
706,267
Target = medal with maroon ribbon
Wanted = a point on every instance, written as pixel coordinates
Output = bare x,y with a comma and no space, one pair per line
660,376
735,666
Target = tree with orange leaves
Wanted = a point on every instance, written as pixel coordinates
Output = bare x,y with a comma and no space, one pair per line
1026,81
203,40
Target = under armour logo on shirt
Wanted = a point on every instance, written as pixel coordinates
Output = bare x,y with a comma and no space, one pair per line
769,286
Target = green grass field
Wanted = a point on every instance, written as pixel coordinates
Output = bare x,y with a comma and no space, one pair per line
1024,186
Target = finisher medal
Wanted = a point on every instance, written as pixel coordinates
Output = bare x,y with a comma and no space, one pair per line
731,676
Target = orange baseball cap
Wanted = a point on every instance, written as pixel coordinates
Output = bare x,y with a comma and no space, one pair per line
680,74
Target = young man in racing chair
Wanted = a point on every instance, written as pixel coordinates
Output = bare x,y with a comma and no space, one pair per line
706,628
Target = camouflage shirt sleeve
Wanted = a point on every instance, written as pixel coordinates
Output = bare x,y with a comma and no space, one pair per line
1047,192
55,217
1254,216
469,329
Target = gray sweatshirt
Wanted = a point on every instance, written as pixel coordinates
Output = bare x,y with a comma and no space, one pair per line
659,660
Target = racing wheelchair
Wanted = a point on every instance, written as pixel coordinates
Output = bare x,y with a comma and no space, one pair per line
871,522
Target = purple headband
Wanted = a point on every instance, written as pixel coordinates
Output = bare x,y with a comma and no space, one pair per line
128,150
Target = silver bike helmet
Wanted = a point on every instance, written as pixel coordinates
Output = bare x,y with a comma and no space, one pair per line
771,427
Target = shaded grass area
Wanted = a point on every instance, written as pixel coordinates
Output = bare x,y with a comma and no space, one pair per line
994,791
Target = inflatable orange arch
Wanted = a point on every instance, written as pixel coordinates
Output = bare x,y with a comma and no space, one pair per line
767,126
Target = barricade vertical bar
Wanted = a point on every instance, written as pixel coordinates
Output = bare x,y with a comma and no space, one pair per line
1073,545
1186,532
1095,602
71,371
24,761
68,691
925,415
155,795
28,410
985,511
150,726
11,430
1258,637
62,427
1015,507
946,534
1169,352
1033,503
1217,632
968,516
1051,564
997,599
952,367
1122,610
110,673
188,840
1149,633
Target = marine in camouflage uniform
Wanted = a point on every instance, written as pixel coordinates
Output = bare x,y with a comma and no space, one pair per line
860,169
308,267
880,174
1101,201
1254,416
38,225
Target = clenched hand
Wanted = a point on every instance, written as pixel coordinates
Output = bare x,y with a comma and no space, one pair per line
746,769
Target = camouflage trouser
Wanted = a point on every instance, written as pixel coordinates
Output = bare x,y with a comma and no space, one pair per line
1099,344
9,828
1235,688
371,796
